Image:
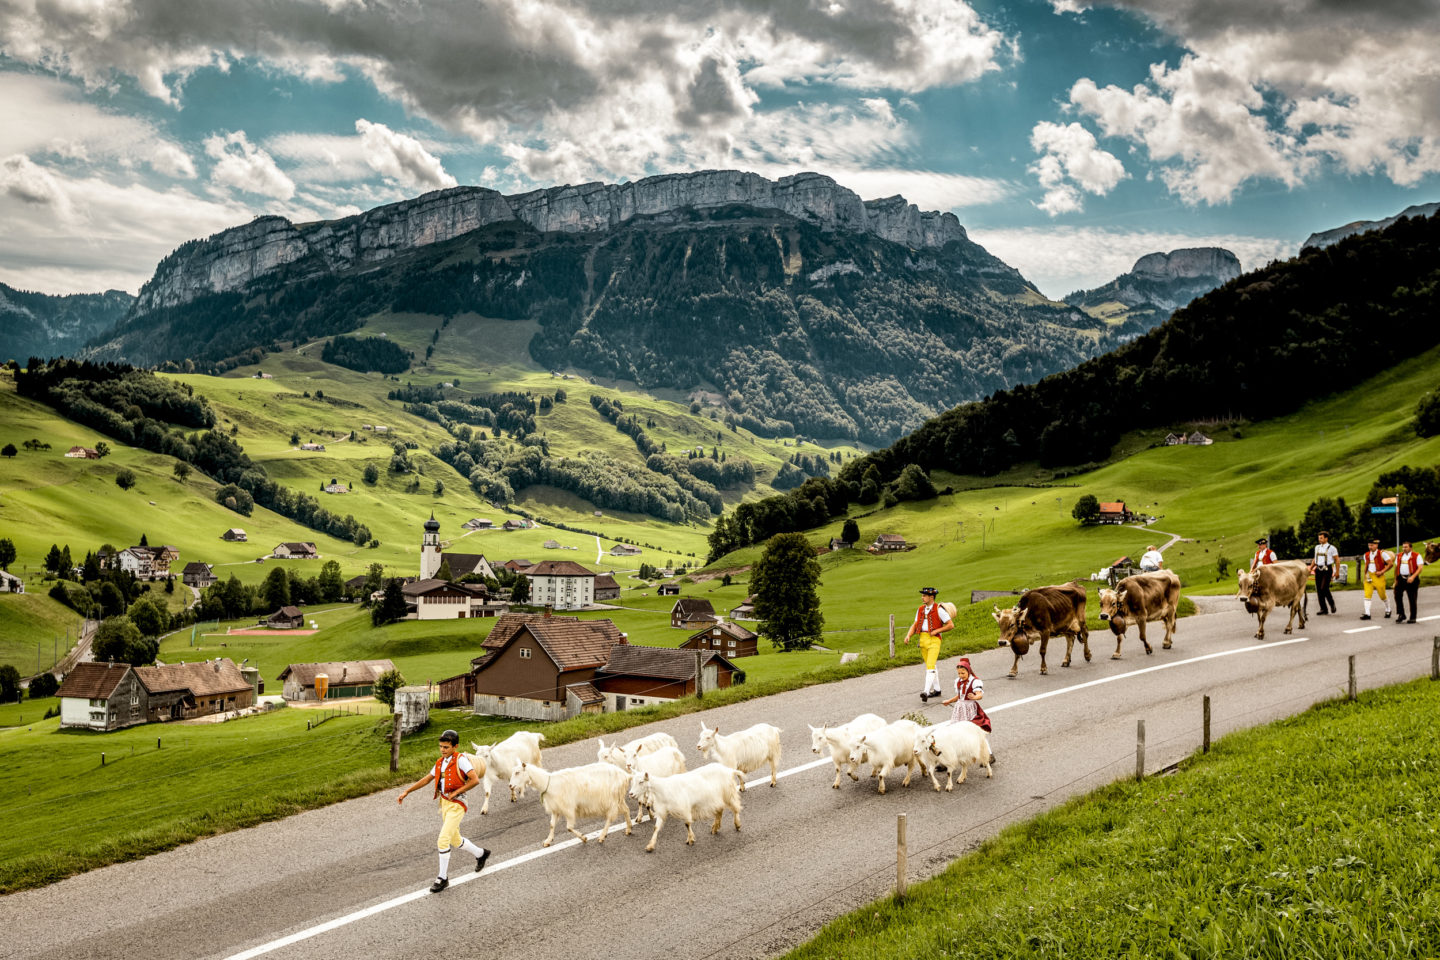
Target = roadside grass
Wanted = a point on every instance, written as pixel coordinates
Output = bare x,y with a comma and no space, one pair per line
1310,837
25,711
34,629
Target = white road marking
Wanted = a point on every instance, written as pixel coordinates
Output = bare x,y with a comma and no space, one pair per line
1136,673
1361,629
1433,616
523,858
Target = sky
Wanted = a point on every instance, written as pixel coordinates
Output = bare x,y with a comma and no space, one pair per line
1069,137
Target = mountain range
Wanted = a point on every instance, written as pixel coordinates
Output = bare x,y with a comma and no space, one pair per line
1325,238
1161,283
38,324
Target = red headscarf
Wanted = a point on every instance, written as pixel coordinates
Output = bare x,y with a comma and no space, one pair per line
965,662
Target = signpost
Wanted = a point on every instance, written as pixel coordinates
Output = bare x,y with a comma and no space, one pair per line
1390,505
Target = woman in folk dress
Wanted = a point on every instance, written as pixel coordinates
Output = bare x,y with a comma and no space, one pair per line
969,691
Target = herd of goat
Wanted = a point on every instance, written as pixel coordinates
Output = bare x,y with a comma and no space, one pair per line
652,771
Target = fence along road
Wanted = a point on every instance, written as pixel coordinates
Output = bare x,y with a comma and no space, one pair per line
347,880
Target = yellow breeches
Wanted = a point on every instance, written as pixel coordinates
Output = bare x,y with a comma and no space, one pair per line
930,649
451,814
1372,582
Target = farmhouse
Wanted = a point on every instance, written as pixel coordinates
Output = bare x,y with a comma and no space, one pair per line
1113,512
517,566
562,584
528,676
730,639
286,618
551,544
234,534
82,453
606,588
198,575
435,599
1198,439
515,525
745,611
478,523
9,583
295,551
888,543
624,550
837,544
313,447
464,564
336,488
148,563
692,610
460,689
636,676
180,691
101,696
349,678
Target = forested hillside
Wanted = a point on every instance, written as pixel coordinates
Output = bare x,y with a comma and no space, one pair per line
824,333
38,324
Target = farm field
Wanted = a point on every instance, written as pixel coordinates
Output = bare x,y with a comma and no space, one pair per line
1192,865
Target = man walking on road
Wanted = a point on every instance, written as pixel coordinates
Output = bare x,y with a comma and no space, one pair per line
1407,581
1322,565
453,775
1263,555
931,620
1374,564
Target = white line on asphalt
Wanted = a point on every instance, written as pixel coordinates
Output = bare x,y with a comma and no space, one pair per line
350,918
1433,616
1136,673
1360,629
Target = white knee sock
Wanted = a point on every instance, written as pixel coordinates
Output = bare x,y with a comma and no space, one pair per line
1367,607
932,684
470,847
444,865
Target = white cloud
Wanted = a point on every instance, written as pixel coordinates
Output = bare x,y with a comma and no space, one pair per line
1060,260
242,165
401,157
1280,90
1070,159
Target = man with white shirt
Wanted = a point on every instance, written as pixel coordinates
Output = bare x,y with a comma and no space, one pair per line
1407,581
1374,564
1152,560
1322,565
1263,555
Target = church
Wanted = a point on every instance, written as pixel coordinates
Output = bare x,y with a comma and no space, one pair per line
435,598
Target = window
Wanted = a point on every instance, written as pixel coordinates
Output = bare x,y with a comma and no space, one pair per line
732,643
637,700
524,653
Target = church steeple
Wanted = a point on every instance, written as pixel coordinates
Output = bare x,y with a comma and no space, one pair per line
430,559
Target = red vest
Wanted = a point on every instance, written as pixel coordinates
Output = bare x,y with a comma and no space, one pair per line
1264,556
1376,557
1412,558
928,622
449,778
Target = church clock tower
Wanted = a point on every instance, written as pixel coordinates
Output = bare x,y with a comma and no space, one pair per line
430,549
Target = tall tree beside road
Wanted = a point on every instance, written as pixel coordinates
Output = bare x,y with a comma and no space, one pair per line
118,639
276,589
7,553
786,602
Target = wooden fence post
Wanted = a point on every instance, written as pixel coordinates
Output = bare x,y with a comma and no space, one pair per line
1206,747
900,857
1139,750
1352,677
699,675
892,636
1435,660
395,745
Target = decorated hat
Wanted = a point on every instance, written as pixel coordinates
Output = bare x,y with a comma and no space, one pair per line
1373,540
1262,540
929,591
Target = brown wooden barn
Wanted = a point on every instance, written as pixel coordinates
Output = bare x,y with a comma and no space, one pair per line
731,639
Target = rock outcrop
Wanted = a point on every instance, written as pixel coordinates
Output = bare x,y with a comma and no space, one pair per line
233,258
1327,237
1165,281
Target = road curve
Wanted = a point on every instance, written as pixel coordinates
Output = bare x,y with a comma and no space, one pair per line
806,854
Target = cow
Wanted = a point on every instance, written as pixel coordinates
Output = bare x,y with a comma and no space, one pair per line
1276,585
1141,599
1044,610
1432,552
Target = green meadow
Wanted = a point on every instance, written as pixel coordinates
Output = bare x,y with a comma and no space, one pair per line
1334,860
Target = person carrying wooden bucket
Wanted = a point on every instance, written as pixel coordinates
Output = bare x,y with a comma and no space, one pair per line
931,620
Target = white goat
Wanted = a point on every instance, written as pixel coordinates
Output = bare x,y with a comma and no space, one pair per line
706,792
838,741
891,746
594,790
748,750
659,763
957,745
502,758
620,756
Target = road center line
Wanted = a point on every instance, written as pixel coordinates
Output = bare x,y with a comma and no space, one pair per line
1433,616
349,918
1360,629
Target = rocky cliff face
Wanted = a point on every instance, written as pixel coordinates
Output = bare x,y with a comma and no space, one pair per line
1165,282
233,258
1327,237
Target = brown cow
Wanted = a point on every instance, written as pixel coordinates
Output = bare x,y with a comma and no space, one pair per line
1044,610
1141,599
1432,552
1276,585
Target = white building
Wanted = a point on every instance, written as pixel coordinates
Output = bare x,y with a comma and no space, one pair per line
9,583
561,584
430,549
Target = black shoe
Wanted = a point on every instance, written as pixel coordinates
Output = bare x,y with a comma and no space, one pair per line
1364,616
480,860
439,884
1321,613
1387,614
924,698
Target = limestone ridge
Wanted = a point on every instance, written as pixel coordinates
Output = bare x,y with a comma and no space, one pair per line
1326,238
233,258
1165,281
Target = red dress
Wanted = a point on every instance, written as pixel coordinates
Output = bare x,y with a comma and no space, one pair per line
969,709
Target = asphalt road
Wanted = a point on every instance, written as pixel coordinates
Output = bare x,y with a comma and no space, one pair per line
348,881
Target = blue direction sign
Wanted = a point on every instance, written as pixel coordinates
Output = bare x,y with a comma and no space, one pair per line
1392,508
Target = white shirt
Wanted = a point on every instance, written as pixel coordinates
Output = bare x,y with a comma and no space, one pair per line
1326,555
1405,570
1151,560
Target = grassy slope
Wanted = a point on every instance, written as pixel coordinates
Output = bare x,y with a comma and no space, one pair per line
1333,862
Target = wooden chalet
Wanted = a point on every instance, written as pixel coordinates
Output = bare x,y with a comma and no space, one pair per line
286,618
198,575
528,675
837,544
295,551
82,453
606,588
346,678
745,611
101,696
888,543
692,612
668,590
234,534
636,676
624,550
180,691
1113,511
731,639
